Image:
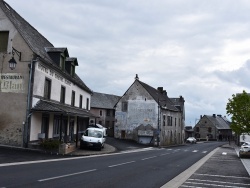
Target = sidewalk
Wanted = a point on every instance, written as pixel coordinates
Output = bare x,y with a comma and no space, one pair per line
221,163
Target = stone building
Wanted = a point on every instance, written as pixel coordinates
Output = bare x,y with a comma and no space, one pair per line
102,106
41,96
148,116
213,127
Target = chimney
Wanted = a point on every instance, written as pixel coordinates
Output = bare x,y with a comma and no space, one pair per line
164,92
160,89
200,116
219,115
136,77
214,115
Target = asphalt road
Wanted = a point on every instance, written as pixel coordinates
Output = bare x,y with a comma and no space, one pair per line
152,167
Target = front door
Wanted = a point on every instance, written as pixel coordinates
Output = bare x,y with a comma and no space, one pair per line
45,125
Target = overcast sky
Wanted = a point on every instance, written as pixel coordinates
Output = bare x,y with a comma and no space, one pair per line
199,49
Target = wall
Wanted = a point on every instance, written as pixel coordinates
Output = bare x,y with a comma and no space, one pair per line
142,111
13,92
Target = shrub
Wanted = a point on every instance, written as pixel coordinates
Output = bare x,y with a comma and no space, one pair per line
50,144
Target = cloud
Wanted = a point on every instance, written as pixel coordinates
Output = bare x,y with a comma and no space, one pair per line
197,49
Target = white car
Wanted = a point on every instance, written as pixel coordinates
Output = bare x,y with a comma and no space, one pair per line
93,137
191,140
245,150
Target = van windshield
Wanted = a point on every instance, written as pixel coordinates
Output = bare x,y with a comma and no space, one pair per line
93,133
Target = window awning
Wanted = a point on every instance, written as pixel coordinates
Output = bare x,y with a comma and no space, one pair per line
58,108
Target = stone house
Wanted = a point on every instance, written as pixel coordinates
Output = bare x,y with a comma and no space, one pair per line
41,96
214,127
102,106
148,116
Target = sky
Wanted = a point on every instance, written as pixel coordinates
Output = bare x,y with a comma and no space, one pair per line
198,49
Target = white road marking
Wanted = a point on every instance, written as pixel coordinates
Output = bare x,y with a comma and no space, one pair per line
148,158
204,152
164,154
121,164
73,174
236,177
225,182
195,151
224,153
214,185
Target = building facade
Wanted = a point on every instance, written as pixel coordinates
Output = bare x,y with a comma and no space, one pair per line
213,127
148,116
41,97
102,106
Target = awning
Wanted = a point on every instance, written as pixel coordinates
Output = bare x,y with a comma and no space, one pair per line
58,108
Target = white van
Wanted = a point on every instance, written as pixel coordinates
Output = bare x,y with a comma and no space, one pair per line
93,137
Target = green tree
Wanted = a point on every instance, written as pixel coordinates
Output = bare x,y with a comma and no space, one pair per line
239,109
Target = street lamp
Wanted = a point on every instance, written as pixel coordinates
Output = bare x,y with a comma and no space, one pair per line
12,61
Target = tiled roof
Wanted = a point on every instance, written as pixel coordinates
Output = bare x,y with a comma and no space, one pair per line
101,100
54,107
37,42
219,121
163,99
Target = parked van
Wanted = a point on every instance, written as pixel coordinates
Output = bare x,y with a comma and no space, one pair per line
93,137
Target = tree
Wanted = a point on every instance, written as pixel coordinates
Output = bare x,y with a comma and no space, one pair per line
239,108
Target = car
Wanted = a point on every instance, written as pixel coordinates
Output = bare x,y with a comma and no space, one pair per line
191,140
244,150
93,137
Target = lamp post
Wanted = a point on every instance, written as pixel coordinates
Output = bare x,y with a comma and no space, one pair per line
12,63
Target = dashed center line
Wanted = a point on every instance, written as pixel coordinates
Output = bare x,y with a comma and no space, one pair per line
195,151
148,158
121,164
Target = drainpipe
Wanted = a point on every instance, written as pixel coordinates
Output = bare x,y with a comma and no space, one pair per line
26,132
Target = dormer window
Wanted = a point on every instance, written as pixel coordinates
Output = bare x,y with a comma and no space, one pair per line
72,70
62,62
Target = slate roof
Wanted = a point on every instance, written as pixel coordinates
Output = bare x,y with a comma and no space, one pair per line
54,107
37,42
34,39
163,99
219,121
102,100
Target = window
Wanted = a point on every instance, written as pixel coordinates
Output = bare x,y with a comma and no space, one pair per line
45,125
113,113
164,120
73,98
175,121
56,127
100,112
170,121
47,88
72,70
107,124
62,97
87,103
209,129
108,112
62,62
4,36
100,122
124,106
197,129
80,102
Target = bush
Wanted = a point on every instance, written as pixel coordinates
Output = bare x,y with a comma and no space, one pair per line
50,144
